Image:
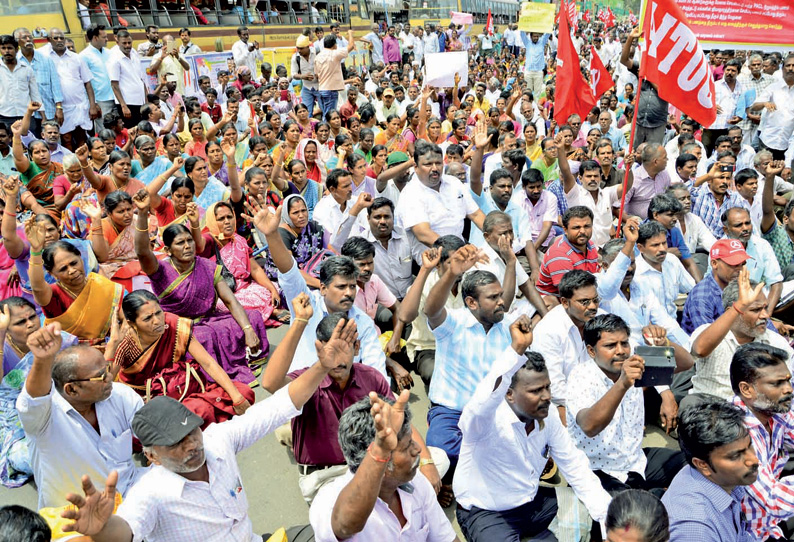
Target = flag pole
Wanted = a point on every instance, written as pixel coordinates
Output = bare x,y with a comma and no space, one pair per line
631,149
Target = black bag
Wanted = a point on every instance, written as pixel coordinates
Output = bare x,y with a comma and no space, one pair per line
226,275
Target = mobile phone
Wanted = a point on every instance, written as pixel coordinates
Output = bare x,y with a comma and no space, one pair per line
726,169
659,366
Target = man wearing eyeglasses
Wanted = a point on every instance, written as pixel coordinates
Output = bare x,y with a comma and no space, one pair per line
77,421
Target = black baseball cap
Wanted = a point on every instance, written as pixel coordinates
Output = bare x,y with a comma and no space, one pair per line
164,422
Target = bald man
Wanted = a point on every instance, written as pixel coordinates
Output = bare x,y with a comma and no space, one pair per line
76,419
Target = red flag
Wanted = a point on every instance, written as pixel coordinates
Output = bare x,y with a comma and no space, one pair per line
560,12
610,19
674,61
600,80
632,18
489,24
573,93
572,12
586,16
602,16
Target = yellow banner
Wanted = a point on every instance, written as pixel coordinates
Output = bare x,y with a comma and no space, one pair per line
536,17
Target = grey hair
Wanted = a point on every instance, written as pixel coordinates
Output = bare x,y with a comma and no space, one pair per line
760,156
70,160
755,57
641,510
357,431
611,248
492,219
730,294
650,151
142,140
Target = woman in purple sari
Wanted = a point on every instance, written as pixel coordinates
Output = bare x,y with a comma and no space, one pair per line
189,286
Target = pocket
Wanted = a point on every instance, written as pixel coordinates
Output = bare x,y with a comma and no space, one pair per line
117,449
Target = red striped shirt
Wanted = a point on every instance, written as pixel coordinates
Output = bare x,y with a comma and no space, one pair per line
561,258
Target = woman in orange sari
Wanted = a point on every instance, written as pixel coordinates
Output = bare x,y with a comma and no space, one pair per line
392,139
158,356
84,304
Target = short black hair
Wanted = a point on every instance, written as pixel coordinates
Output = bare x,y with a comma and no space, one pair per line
327,325
531,176
648,230
684,158
664,203
578,211
574,280
601,323
448,244
744,175
8,39
20,523
357,248
93,31
750,357
534,363
378,203
708,425
473,280
333,178
342,266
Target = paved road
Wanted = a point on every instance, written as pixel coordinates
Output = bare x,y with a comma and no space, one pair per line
271,477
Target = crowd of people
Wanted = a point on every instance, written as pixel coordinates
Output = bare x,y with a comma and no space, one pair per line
515,264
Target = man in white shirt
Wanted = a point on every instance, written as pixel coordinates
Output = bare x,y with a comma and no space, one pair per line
659,273
245,53
76,420
744,321
332,209
729,95
777,120
558,336
432,205
431,40
406,42
126,79
606,412
96,56
510,430
194,490
383,483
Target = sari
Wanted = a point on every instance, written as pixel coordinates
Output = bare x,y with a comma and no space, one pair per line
550,173
311,240
159,165
303,131
222,174
317,172
396,144
122,262
6,268
39,183
15,467
90,264
89,315
213,192
188,295
236,256
164,369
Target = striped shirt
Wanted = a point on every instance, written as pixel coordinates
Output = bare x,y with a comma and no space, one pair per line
561,258
47,79
771,498
704,205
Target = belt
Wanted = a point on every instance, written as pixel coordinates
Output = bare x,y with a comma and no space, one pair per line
306,470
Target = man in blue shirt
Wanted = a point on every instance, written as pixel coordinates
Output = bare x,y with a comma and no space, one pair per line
704,501
665,209
96,56
535,45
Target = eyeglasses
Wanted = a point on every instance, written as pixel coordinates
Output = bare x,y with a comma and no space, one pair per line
587,302
99,378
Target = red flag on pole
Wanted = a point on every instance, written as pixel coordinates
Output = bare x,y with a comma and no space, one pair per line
674,61
610,18
562,10
573,93
602,16
586,16
632,18
489,24
600,80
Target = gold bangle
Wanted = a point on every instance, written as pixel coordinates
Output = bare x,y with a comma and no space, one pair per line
249,326
304,320
141,230
423,462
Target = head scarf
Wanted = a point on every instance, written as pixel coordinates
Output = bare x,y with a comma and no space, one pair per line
300,154
285,208
212,223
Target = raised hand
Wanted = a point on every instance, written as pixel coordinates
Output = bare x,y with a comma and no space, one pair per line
481,134
747,294
142,200
302,307
506,249
82,154
192,212
430,258
34,106
179,161
521,334
35,234
92,511
11,189
228,149
263,218
465,258
91,210
45,343
631,229
16,128
388,420
364,201
340,347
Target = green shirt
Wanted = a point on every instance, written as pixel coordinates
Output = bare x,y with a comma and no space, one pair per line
781,243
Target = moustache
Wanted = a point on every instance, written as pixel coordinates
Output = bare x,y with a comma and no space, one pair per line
347,299
786,399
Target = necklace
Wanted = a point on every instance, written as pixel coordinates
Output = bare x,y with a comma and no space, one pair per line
14,345
72,294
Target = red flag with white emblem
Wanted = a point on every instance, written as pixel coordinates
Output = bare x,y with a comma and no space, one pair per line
600,80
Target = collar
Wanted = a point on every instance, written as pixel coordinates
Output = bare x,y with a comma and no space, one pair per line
562,316
644,267
328,382
716,495
590,246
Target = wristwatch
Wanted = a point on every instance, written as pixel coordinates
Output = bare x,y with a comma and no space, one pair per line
423,462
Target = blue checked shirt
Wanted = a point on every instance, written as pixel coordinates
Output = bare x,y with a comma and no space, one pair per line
705,206
464,355
702,511
371,353
47,79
